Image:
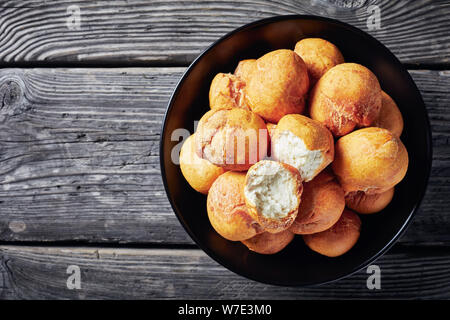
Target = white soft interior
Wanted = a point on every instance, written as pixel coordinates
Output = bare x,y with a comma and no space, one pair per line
272,190
291,149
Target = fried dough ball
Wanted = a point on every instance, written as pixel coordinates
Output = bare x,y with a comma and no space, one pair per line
227,91
231,138
198,172
337,240
245,69
278,85
272,194
319,55
303,143
371,160
346,97
226,208
269,243
321,205
369,203
390,117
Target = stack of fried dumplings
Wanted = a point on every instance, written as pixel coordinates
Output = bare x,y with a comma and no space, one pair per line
296,142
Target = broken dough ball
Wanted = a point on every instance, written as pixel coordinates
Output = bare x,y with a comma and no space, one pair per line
390,117
226,208
278,85
304,144
337,240
231,138
321,205
198,172
319,55
346,97
369,203
269,243
272,194
372,160
227,91
245,69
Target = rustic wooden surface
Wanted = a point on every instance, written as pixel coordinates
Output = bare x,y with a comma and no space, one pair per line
41,273
81,164
79,142
172,32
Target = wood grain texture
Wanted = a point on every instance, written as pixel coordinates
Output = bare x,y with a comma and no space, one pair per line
40,273
77,144
174,33
79,157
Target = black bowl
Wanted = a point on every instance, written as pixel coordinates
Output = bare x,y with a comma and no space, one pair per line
296,265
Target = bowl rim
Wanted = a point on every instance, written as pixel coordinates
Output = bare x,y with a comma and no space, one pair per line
406,223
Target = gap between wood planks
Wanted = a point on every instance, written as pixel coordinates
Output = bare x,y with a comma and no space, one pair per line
85,244
395,249
160,64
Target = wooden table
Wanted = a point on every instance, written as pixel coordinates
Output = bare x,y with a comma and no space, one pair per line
80,116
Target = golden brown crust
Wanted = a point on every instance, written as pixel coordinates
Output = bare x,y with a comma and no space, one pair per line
227,91
319,55
346,96
321,205
231,138
390,117
275,225
245,69
199,173
226,208
278,85
368,203
269,243
337,240
322,109
371,160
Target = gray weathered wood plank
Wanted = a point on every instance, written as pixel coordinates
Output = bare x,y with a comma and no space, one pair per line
79,156
173,32
66,161
40,273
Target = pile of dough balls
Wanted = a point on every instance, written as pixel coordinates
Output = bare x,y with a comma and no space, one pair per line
297,142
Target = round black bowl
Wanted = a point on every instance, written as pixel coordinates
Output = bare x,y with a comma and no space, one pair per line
296,265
